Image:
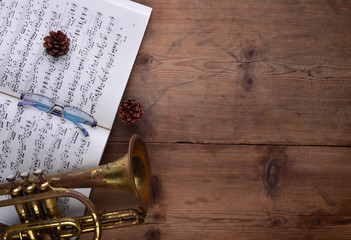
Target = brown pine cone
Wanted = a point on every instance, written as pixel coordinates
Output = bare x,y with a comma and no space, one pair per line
57,43
130,111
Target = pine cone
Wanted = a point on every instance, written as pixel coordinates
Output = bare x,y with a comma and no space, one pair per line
56,44
130,111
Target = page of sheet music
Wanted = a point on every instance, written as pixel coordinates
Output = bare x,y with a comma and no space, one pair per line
31,139
105,38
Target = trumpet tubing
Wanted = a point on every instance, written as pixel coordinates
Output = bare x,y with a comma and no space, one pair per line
35,198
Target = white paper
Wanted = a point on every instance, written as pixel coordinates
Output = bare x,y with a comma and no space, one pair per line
105,37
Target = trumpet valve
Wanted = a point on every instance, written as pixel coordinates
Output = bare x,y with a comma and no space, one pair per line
25,176
39,173
11,178
28,188
15,189
42,185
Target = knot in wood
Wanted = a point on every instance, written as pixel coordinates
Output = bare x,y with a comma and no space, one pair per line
273,172
153,234
144,59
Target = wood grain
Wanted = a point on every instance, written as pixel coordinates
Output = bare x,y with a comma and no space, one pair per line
214,191
249,72
247,121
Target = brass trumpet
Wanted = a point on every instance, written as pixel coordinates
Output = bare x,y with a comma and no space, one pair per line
35,199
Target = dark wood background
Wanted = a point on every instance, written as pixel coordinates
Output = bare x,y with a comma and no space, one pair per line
247,120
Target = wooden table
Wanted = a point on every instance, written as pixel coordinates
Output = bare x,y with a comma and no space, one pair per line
247,121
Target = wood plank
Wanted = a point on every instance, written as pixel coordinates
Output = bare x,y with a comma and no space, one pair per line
249,72
210,191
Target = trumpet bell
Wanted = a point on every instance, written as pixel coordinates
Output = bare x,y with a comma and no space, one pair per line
140,168
131,173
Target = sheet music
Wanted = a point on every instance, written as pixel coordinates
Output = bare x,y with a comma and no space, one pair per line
105,38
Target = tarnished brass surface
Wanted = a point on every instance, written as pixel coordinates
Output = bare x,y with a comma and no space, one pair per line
110,220
130,173
12,232
54,194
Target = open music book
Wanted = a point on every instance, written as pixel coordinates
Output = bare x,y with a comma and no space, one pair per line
105,37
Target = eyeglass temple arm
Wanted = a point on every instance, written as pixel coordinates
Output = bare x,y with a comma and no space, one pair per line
77,119
85,132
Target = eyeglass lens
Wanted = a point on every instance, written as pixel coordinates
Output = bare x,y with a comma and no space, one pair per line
40,102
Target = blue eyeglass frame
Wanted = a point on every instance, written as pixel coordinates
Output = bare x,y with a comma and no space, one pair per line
60,113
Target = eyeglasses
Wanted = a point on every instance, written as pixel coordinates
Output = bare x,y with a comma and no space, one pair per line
46,104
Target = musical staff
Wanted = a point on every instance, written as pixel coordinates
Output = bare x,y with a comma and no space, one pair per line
92,33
